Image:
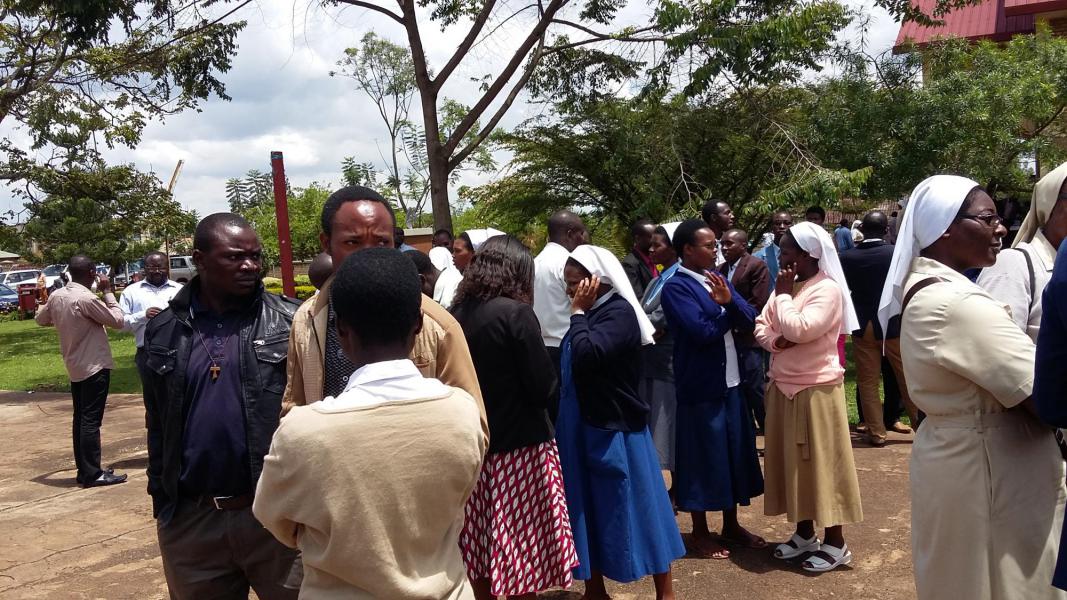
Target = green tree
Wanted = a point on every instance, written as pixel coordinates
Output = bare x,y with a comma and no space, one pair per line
305,209
113,214
973,109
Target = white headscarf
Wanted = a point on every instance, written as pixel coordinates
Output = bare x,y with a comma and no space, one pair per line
602,263
670,228
930,210
1046,192
440,257
478,236
814,240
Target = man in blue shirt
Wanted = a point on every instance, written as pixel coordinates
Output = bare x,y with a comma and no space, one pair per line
843,237
781,221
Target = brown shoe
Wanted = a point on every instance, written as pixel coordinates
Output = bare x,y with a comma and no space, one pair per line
876,442
861,428
900,427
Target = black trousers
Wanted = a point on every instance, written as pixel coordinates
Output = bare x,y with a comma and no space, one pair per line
220,554
753,382
555,354
90,397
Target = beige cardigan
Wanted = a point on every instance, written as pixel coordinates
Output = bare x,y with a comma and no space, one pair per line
374,496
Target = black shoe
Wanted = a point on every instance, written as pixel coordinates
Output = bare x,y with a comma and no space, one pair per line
106,479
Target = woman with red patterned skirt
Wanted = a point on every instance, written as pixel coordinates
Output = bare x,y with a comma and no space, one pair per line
516,538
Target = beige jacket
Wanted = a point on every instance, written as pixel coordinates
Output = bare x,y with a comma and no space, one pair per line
440,351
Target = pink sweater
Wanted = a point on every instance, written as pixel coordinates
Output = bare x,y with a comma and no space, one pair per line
811,319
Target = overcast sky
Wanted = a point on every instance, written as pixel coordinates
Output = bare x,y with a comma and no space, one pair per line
284,99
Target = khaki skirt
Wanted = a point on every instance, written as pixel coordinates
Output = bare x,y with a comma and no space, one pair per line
809,469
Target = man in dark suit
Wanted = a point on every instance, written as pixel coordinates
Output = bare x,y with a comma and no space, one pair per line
866,267
751,278
638,263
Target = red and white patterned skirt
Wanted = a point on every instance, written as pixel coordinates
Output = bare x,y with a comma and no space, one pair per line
517,533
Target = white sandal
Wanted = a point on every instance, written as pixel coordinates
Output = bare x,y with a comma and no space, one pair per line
818,564
796,546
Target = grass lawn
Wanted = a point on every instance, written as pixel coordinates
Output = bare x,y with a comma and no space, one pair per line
30,359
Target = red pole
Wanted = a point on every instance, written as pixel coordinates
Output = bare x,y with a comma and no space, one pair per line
281,208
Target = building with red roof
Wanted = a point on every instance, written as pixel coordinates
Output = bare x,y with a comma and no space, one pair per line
996,20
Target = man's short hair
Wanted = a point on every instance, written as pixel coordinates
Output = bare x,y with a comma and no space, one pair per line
156,253
444,232
422,262
818,210
80,265
207,229
377,293
639,227
740,234
711,209
352,193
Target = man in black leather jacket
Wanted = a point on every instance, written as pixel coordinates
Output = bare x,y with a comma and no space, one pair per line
216,372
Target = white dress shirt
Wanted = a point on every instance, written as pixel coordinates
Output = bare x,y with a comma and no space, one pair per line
137,298
444,291
551,303
381,382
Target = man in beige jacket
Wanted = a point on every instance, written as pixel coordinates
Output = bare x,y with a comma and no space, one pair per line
355,218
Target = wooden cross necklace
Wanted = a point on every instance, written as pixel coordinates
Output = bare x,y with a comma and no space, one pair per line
215,369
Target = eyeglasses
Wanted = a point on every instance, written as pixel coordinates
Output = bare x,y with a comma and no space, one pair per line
992,220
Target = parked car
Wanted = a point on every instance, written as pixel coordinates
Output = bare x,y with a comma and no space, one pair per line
122,278
182,269
52,273
13,278
9,299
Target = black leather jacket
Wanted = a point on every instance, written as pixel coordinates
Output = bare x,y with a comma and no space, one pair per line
264,343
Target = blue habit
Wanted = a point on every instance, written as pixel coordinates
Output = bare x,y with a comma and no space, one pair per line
716,465
620,514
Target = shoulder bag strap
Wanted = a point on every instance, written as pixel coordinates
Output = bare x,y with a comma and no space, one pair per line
915,289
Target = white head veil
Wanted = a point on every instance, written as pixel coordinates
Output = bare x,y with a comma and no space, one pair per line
1046,193
602,263
440,257
670,228
818,244
930,210
478,236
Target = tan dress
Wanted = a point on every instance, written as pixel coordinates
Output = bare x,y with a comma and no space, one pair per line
987,481
809,470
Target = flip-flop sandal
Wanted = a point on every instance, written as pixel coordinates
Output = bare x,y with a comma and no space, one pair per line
752,541
700,551
796,546
818,564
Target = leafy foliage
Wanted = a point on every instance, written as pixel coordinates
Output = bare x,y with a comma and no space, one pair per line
305,208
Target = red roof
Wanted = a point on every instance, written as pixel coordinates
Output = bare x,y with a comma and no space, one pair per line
1013,8
984,21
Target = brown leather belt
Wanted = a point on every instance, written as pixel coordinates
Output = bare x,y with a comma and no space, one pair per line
224,502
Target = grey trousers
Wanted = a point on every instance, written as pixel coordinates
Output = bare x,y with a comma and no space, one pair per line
211,554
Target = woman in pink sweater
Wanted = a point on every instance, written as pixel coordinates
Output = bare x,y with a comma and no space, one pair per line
809,470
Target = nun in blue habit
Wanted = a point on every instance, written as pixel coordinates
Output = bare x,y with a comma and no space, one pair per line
621,518
716,464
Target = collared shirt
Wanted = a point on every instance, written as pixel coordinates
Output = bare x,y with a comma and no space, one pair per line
215,460
551,303
733,268
381,382
444,291
769,255
80,317
138,298
1008,281
733,374
336,366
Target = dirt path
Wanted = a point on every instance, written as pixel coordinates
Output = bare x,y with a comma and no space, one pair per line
60,541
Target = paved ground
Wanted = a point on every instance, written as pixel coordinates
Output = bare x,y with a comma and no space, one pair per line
60,541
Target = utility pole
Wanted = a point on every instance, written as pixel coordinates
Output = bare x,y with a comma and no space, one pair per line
281,208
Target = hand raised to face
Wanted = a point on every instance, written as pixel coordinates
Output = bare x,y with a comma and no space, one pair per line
720,291
585,295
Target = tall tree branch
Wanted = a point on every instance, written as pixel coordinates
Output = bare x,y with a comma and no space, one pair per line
464,46
370,6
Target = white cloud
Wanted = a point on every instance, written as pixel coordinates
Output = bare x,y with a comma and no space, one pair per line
284,99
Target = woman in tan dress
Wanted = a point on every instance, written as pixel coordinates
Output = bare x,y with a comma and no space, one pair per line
809,470
987,480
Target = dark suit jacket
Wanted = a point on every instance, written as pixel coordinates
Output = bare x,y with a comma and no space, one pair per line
752,280
638,273
866,267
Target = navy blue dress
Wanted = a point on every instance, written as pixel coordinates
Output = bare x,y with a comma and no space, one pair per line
716,465
621,517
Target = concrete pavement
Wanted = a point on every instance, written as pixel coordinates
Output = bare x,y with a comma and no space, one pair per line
61,541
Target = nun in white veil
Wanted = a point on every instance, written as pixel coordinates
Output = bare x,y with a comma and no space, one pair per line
809,470
621,517
986,479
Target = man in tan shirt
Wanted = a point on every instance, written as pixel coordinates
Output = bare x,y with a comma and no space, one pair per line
355,218
80,317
